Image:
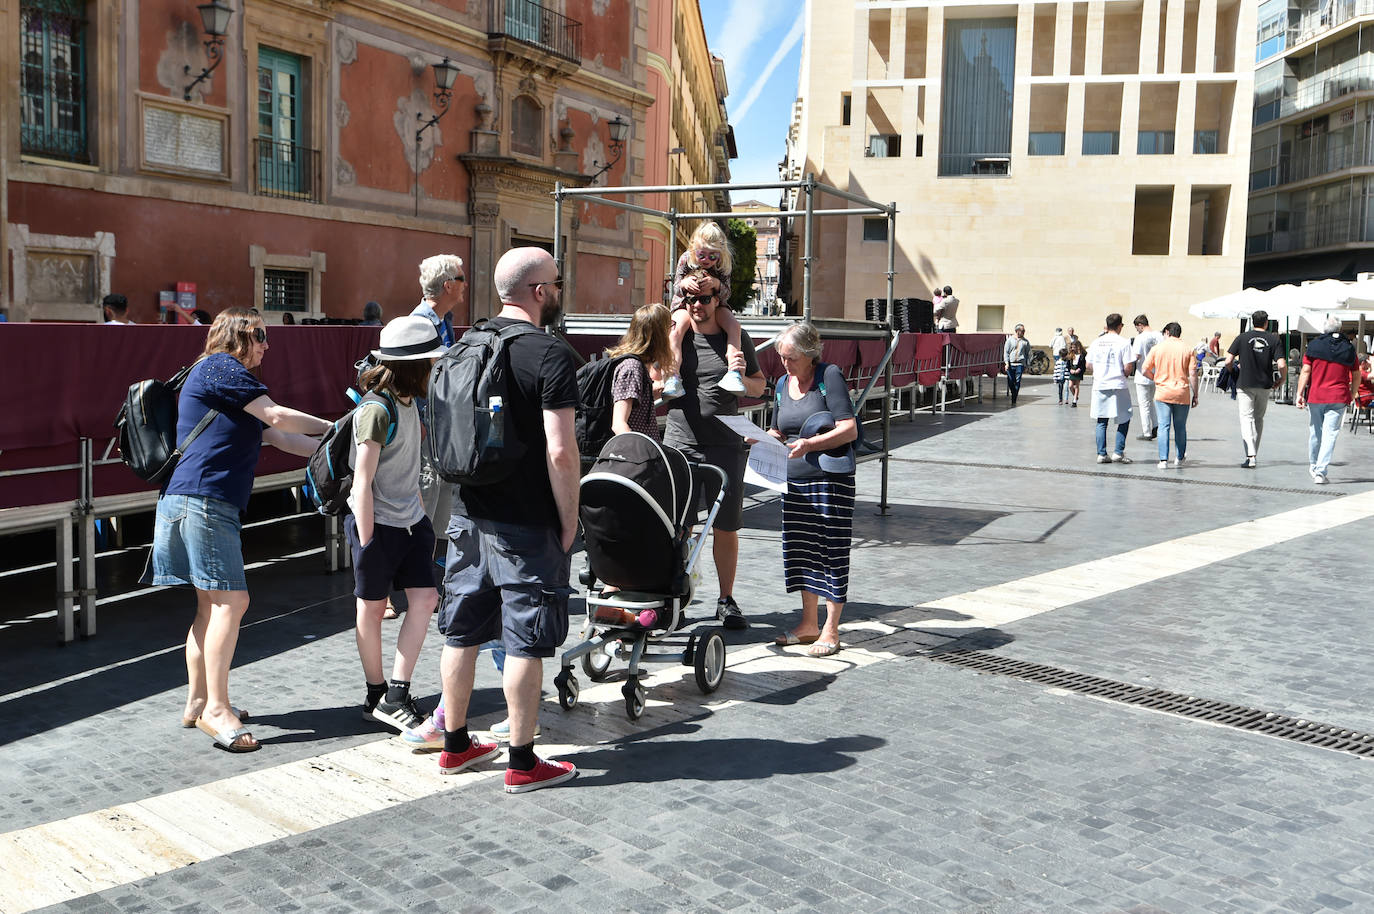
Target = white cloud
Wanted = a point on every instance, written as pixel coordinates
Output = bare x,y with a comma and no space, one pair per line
756,89
739,30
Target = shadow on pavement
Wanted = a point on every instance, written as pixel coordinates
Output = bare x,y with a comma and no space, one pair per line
645,758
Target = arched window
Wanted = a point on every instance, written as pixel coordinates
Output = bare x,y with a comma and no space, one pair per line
526,126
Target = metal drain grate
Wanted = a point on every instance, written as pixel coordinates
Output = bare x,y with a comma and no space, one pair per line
1217,712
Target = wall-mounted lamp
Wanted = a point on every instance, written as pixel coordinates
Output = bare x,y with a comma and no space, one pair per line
619,130
444,75
215,17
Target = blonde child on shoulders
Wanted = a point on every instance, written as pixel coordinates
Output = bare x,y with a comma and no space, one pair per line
707,250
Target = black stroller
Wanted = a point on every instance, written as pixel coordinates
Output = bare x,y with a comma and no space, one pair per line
638,502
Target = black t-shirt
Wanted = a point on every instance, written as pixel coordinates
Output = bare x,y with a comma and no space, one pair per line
691,417
1256,352
544,372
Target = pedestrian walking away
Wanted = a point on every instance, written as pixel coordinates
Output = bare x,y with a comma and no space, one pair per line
1015,360
1145,340
1328,383
196,535
1259,354
1172,367
392,540
816,420
1111,361
510,540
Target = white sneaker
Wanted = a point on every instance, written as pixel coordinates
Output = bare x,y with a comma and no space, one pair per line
1103,458
1319,478
672,388
1179,463
501,730
732,383
1164,464
1120,458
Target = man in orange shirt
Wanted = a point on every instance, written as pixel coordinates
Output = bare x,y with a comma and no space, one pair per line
1172,365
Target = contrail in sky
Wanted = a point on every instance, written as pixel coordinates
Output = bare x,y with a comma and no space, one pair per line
783,50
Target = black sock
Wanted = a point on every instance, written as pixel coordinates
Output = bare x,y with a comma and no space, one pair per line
457,740
375,691
397,691
522,758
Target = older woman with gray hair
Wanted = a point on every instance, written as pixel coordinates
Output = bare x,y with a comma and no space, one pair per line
815,418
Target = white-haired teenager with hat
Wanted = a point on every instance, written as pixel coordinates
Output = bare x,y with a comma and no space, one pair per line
391,537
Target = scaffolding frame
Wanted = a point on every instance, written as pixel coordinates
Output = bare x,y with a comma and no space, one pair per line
811,189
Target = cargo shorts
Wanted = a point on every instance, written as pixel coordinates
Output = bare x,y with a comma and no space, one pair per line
506,582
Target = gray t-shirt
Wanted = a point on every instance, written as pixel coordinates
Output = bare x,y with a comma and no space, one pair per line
396,485
792,414
691,421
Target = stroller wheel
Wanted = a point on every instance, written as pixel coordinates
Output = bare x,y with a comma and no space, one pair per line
568,689
634,698
595,664
709,661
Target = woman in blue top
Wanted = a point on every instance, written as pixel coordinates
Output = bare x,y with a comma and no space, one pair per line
818,507
196,538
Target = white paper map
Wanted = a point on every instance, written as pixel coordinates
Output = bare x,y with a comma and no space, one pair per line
767,465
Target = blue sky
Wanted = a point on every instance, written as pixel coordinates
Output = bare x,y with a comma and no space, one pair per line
760,41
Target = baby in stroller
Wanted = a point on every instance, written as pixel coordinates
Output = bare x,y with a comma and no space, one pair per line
638,503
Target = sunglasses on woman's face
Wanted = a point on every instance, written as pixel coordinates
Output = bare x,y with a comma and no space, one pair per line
259,335
700,299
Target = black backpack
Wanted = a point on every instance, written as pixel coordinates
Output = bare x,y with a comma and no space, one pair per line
328,472
147,425
595,409
470,441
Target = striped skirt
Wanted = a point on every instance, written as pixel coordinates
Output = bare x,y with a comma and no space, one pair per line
817,526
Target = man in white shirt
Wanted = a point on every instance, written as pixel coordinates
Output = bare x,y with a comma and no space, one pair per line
116,310
1146,339
1111,362
1058,342
946,309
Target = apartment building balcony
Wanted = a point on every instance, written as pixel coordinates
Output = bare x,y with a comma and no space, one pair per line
1330,91
1326,17
531,31
1352,227
1324,158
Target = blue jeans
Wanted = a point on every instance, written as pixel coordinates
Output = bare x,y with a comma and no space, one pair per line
1324,427
1101,432
1172,415
1014,381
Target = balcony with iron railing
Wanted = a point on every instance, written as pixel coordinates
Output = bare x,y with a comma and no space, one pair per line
536,26
285,170
1321,156
1351,224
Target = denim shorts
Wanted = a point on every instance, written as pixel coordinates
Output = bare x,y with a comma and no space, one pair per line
396,558
506,582
196,541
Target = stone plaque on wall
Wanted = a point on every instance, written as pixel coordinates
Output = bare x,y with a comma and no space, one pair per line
61,277
180,139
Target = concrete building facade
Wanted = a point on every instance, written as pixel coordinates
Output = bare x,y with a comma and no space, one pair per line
1052,162
291,178
767,251
1312,169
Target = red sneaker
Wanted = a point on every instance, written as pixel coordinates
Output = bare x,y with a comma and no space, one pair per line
454,762
543,774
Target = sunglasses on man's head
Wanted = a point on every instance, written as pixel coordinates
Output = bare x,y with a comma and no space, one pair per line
259,335
700,299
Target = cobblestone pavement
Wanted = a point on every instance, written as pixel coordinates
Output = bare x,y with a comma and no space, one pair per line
875,780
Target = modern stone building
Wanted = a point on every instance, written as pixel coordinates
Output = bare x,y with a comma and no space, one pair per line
291,177
1051,161
759,216
1311,189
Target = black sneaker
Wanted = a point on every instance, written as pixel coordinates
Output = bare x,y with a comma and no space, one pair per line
403,715
729,615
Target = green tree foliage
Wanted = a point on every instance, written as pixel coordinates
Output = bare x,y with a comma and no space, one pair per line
744,248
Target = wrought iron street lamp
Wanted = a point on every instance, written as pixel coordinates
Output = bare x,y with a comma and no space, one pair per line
444,75
215,17
619,129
